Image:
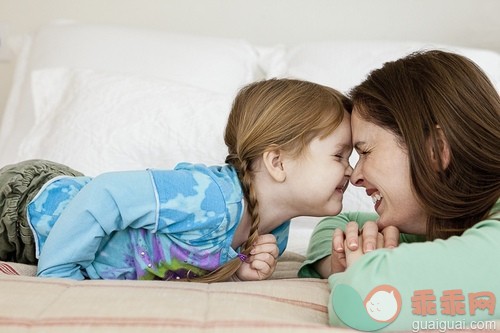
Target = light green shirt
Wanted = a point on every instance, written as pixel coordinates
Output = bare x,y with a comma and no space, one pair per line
443,283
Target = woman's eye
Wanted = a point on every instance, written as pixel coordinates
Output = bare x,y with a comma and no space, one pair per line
363,152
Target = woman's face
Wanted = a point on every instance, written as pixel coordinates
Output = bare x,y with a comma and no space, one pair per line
383,170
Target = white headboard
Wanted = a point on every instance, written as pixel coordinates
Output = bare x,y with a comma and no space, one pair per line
268,22
460,22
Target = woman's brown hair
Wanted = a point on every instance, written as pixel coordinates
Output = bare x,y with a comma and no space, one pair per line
422,94
274,114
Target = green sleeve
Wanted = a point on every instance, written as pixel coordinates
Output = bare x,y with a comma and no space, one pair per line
464,265
320,244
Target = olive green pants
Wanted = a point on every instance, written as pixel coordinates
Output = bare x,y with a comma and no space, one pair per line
19,184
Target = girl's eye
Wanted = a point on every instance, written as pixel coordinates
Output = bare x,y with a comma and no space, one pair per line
340,157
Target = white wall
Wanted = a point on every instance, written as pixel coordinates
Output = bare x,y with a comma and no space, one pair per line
472,23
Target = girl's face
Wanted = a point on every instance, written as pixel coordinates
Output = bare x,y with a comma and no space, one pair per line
318,178
383,170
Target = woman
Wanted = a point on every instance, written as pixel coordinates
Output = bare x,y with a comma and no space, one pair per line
427,130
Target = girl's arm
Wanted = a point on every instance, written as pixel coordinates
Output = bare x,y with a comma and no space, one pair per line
262,260
110,202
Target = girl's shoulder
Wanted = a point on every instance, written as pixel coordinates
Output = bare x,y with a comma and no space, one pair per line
223,178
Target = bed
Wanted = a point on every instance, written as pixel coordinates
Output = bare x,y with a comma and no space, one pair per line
109,97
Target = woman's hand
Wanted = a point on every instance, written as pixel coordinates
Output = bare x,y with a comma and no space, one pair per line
355,243
262,260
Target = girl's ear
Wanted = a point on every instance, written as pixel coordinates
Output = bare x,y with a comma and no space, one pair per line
441,160
273,161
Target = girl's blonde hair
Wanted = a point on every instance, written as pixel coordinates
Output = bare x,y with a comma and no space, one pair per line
274,114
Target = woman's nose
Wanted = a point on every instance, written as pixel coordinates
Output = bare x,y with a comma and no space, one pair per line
356,176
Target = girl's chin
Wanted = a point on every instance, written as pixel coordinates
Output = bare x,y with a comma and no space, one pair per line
333,210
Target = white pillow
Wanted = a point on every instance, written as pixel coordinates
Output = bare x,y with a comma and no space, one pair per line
217,64
98,121
344,64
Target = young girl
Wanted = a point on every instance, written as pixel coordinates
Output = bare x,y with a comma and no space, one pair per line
288,143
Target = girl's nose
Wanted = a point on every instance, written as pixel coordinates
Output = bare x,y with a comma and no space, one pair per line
348,171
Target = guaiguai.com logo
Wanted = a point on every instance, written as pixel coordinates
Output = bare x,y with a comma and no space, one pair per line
453,309
377,310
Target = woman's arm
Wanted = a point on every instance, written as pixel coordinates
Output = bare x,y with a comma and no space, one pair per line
318,262
460,266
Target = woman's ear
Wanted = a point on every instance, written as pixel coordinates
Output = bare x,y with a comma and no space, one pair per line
441,159
273,161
